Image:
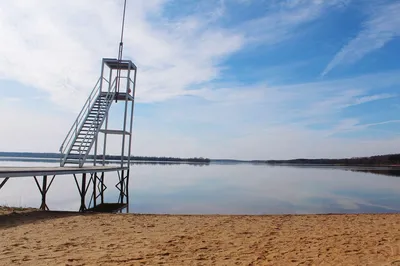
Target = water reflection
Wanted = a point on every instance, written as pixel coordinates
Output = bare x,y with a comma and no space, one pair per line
168,163
228,189
387,172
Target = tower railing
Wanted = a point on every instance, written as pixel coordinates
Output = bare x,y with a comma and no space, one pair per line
96,124
75,128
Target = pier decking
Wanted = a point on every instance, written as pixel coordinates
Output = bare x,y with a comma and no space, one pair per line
91,176
42,171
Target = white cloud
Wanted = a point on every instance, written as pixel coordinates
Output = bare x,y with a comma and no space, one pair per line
26,129
11,99
351,124
290,142
382,26
324,98
285,18
370,98
56,46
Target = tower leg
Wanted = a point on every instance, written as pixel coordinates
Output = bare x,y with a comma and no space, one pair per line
127,191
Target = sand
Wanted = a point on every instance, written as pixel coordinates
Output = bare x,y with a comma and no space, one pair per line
61,238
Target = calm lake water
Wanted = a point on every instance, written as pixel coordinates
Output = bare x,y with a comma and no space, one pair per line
224,189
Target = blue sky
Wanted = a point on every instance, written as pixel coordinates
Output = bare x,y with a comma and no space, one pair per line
221,79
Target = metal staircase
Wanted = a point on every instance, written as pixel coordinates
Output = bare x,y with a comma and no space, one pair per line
83,133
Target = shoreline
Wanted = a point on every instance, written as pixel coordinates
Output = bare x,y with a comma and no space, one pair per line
33,237
5,210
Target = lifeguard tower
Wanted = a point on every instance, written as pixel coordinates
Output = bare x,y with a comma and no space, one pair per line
79,151
114,85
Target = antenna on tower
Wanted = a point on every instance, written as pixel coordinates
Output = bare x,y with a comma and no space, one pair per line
120,50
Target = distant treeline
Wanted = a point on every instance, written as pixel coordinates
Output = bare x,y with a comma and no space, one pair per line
107,157
389,159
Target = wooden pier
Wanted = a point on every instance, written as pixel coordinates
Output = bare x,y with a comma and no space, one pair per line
91,177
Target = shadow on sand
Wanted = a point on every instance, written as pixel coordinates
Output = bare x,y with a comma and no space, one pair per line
10,218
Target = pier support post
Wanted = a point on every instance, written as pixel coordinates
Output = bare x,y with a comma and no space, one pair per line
44,206
98,189
83,189
44,188
102,186
94,190
4,182
83,193
121,194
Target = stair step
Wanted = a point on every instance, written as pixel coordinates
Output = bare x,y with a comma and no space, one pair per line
76,148
95,112
80,140
81,144
74,154
90,125
82,150
88,136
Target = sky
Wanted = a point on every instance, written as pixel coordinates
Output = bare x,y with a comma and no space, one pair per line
239,79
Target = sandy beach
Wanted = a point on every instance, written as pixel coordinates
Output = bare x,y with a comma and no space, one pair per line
60,238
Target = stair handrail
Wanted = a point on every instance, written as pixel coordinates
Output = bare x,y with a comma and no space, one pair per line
74,128
108,100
